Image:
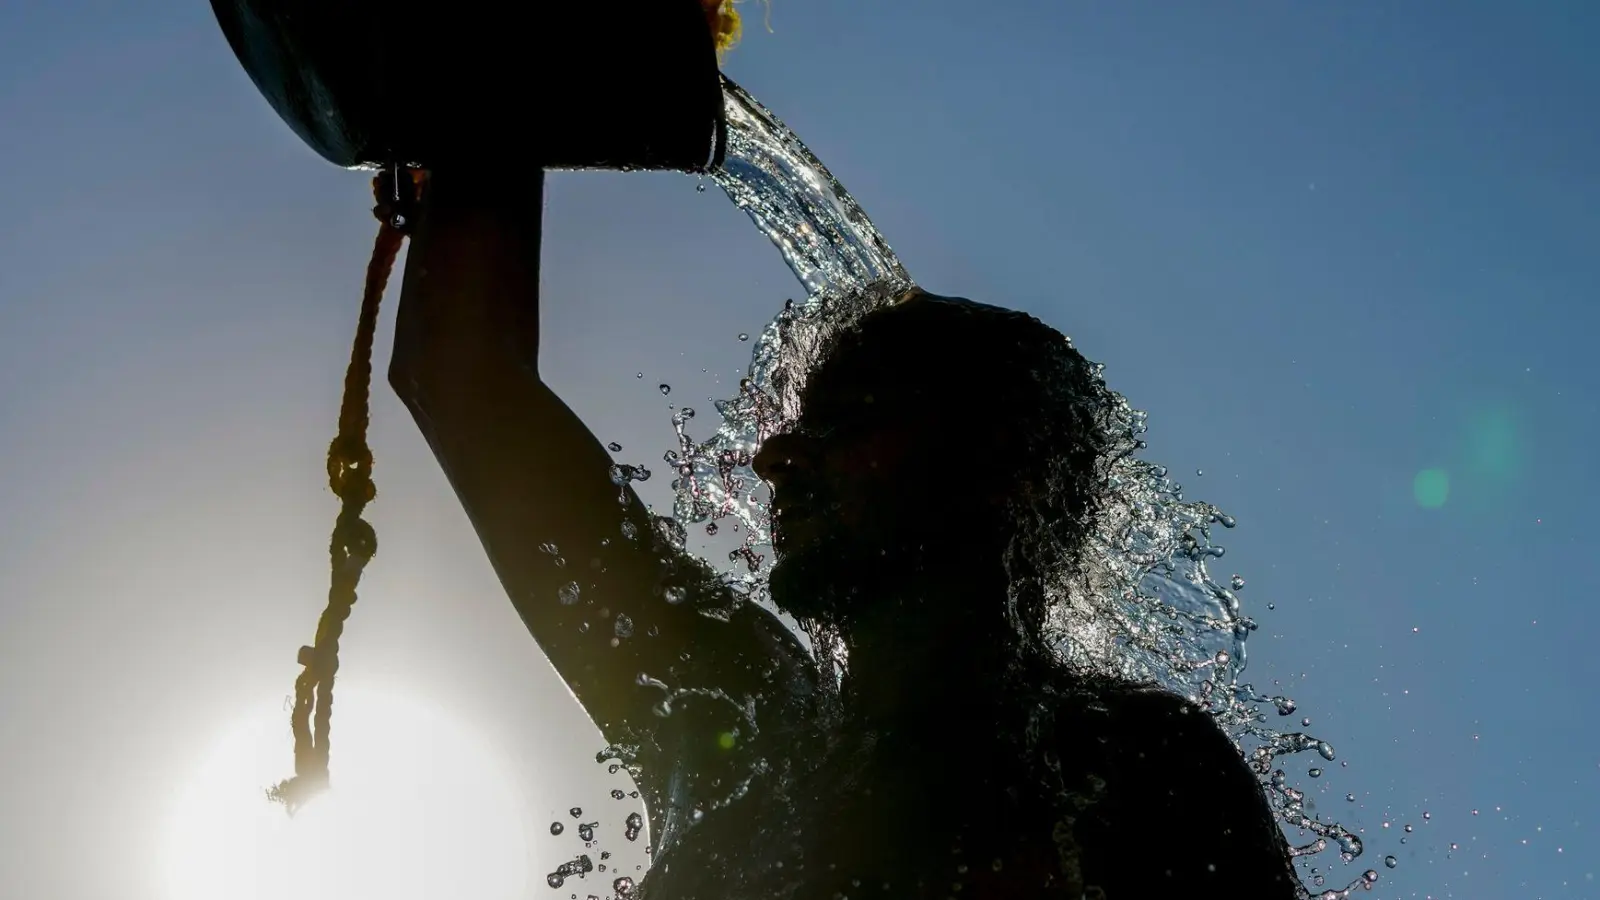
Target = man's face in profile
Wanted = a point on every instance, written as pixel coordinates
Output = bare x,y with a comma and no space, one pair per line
853,484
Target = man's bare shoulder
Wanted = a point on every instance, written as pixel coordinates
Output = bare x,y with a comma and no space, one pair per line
1153,712
1133,709
1152,736
1168,761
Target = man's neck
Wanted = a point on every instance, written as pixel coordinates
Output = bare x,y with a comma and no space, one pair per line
938,640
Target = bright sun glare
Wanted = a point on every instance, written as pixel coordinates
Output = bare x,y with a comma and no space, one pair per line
419,809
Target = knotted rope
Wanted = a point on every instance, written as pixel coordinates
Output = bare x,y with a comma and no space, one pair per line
354,541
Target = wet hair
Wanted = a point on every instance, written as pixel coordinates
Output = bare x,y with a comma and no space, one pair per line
974,366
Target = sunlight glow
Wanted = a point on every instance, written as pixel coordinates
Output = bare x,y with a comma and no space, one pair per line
418,809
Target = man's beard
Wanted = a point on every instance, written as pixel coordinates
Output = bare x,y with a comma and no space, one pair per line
826,580
836,579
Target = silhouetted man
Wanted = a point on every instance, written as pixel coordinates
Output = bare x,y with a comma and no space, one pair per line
944,470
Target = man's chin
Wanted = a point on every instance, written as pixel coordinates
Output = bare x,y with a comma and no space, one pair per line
803,583
823,580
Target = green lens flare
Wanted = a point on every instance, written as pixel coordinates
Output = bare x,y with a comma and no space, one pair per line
1493,445
1431,487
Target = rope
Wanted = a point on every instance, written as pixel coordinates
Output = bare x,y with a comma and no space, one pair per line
354,542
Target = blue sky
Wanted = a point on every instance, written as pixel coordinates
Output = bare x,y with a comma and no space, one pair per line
1326,246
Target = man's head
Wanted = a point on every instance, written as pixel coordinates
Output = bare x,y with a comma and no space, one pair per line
938,436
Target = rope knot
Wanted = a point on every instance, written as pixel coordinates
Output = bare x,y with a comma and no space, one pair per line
397,190
350,469
323,662
354,539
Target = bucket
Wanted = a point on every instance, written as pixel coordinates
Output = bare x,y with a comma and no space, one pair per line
625,84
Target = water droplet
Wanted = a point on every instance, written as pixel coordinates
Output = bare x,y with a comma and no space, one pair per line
711,528
557,828
1408,829
1474,812
586,830
1351,798
1370,876
676,594
632,826
577,866
1306,722
1326,749
623,474
614,447
700,188
1237,582
638,374
623,886
576,811
617,794
743,336
569,593
1315,773
665,389
624,626
1390,861
1426,816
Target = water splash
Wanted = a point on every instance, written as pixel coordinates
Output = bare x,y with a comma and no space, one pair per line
1146,605
818,227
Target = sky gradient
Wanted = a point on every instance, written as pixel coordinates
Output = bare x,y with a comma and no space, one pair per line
1344,254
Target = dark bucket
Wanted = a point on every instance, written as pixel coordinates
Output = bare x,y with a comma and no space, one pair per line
624,84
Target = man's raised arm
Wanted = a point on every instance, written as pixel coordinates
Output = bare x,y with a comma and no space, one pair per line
573,550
